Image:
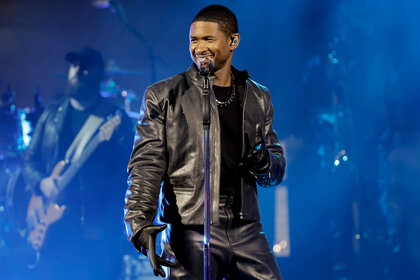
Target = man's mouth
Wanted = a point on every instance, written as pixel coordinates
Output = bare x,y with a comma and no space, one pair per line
204,56
205,59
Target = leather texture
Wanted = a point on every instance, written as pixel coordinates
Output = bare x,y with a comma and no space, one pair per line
146,244
166,174
239,249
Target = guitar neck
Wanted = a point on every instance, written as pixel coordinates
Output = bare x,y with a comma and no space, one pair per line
74,167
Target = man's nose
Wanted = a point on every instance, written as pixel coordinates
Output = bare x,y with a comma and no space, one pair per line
201,47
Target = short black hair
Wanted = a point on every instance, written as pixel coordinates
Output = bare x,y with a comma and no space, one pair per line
228,23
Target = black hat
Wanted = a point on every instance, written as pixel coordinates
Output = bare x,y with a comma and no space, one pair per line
87,58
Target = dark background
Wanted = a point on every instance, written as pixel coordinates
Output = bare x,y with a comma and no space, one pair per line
343,76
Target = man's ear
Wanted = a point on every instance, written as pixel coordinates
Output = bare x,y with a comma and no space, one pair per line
235,39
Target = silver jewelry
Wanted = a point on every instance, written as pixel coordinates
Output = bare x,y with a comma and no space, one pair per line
221,104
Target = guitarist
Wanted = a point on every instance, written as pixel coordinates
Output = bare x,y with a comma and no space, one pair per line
82,244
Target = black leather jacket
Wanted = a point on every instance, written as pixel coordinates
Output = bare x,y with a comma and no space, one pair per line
166,174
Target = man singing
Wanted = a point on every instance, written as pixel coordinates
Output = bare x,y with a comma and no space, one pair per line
166,170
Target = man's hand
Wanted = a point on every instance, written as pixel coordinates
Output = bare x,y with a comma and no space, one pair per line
258,158
48,187
146,244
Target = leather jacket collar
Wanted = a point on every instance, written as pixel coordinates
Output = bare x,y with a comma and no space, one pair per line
192,73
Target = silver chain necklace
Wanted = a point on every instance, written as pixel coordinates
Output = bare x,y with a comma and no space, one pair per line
221,104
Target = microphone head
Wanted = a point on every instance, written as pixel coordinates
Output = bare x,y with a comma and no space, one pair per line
205,65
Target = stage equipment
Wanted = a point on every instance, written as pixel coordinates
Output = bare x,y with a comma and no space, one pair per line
14,198
116,7
16,127
112,69
101,4
281,246
118,94
9,123
206,66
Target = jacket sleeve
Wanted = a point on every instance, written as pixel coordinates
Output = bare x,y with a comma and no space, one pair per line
147,166
31,160
277,159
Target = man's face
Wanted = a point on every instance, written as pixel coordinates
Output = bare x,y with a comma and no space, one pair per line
79,86
206,40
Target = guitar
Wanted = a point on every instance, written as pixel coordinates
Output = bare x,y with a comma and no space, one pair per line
42,211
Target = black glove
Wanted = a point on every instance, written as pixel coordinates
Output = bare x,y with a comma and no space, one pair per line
258,158
146,244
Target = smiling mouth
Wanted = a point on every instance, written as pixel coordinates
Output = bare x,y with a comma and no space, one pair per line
204,56
203,59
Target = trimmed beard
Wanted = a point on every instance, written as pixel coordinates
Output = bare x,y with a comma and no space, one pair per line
81,91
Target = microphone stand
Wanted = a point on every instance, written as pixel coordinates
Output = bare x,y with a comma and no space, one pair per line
207,218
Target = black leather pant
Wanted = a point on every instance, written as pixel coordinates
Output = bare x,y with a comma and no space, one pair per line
239,249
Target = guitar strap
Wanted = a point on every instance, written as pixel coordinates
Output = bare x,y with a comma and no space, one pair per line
79,143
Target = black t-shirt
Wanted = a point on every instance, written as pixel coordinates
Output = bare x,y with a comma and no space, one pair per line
230,118
78,119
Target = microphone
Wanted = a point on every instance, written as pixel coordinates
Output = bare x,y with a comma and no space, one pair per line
205,65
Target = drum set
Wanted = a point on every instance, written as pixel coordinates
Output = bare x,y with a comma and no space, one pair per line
15,130
16,126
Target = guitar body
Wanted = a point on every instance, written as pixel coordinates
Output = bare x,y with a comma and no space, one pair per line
40,216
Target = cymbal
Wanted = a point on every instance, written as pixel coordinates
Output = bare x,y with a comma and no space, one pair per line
119,94
112,69
109,89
